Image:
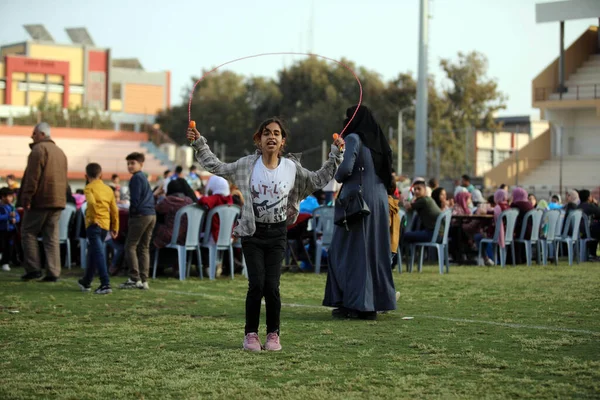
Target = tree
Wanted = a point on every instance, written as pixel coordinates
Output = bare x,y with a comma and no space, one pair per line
56,116
313,94
468,102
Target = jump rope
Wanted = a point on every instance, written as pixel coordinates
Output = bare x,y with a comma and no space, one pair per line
192,124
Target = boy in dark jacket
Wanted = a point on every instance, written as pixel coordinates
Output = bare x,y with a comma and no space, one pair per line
8,225
142,218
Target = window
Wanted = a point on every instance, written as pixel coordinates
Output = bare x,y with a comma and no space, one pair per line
116,91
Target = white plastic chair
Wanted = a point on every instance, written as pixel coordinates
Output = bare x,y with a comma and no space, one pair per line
322,221
559,228
402,216
441,244
510,216
194,216
63,231
588,237
546,242
228,214
80,224
238,245
536,219
572,239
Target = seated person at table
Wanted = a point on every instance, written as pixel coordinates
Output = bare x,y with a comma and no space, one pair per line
79,197
477,198
500,202
9,219
486,207
427,211
309,204
555,203
589,206
167,208
121,204
542,205
532,199
118,244
521,202
441,198
462,204
217,194
462,231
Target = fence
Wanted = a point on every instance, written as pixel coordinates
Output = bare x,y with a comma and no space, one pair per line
572,92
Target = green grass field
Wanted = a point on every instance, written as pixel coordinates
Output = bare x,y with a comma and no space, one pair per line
477,333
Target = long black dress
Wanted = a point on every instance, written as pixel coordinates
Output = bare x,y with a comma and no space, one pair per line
360,274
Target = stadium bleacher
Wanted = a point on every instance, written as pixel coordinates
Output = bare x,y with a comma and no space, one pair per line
82,146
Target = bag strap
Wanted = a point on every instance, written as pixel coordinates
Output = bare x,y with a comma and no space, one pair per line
361,169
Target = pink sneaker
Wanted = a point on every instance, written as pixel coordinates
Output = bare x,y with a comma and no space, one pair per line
252,342
272,343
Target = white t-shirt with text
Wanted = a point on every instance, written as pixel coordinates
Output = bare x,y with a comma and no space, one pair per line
270,189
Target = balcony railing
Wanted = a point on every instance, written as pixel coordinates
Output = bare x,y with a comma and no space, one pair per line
573,92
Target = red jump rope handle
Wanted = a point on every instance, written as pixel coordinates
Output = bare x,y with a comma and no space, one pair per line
192,125
336,137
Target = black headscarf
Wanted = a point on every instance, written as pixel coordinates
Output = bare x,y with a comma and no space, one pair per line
371,135
435,195
180,185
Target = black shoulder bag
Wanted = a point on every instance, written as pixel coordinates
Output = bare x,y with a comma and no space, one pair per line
351,206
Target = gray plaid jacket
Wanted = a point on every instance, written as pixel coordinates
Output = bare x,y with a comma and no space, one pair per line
240,172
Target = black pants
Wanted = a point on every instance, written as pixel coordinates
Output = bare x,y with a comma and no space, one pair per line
264,252
5,247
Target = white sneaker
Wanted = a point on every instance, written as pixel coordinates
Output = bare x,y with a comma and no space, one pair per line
131,284
145,286
5,267
488,262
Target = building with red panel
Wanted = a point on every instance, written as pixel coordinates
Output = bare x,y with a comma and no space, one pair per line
77,75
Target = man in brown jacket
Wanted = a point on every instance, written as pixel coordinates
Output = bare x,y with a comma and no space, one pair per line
43,195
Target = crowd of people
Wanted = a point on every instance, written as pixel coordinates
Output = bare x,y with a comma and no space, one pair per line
276,196
131,220
428,200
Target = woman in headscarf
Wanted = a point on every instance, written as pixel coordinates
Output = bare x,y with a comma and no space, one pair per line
217,194
542,205
532,199
521,202
462,232
185,187
440,197
477,197
359,280
166,209
572,202
501,201
461,204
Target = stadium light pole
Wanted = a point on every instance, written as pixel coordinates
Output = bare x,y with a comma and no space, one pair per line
400,136
422,100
